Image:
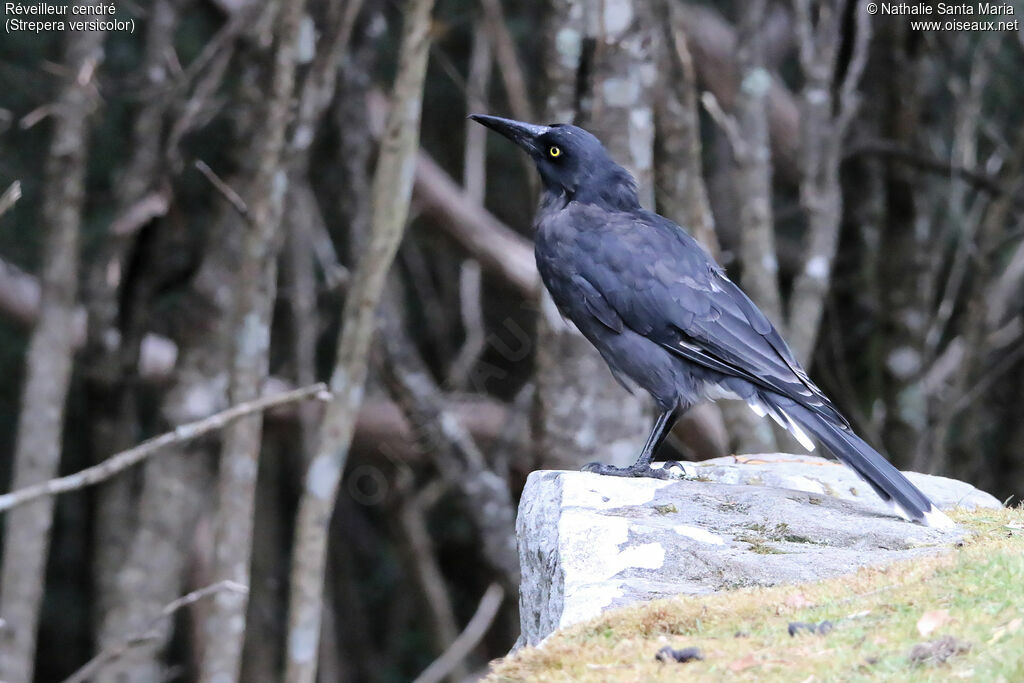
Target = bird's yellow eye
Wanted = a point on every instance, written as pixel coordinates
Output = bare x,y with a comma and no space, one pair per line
555,152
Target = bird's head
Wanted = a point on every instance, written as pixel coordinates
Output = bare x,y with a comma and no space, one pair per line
571,161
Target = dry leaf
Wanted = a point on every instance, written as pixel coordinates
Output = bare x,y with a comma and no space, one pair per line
929,621
743,663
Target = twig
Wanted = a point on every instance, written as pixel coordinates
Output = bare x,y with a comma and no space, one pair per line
426,570
998,369
115,651
458,456
319,85
10,197
467,640
726,122
505,54
148,207
226,190
240,21
35,116
125,459
886,148
499,248
192,110
848,99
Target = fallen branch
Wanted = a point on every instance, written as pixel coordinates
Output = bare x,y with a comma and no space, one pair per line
125,459
90,668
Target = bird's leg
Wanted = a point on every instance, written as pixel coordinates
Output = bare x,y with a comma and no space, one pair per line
642,466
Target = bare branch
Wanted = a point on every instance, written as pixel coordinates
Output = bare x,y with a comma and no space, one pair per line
474,182
391,194
148,207
426,570
823,128
94,665
679,182
10,197
319,83
508,61
849,100
458,456
467,640
133,456
713,44
223,188
249,330
499,248
726,122
902,153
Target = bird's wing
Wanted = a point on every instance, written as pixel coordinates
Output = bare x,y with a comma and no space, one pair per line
660,283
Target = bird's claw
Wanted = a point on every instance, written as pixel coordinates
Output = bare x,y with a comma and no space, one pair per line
631,471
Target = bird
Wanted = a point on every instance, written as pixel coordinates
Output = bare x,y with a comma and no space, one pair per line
665,317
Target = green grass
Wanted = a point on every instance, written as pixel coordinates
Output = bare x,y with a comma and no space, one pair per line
975,594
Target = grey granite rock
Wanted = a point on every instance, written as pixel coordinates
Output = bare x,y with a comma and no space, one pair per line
588,543
822,475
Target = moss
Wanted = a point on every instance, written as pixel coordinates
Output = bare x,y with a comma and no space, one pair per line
765,549
794,538
758,544
875,611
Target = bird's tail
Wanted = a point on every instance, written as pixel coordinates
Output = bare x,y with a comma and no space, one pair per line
887,481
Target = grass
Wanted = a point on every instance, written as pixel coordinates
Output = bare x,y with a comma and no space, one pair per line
973,597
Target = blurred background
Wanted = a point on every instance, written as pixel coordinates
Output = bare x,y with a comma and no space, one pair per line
200,210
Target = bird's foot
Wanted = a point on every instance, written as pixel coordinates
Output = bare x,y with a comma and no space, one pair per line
633,470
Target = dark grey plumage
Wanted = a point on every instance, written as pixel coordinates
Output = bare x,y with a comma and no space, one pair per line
665,317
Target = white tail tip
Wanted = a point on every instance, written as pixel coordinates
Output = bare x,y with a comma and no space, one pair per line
937,519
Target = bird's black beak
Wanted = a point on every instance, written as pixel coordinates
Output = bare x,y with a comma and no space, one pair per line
523,134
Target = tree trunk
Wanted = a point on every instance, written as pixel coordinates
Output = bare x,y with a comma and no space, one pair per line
902,264
48,372
116,301
257,277
392,190
580,413
758,256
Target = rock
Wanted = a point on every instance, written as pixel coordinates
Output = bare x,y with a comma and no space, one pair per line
588,542
822,475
